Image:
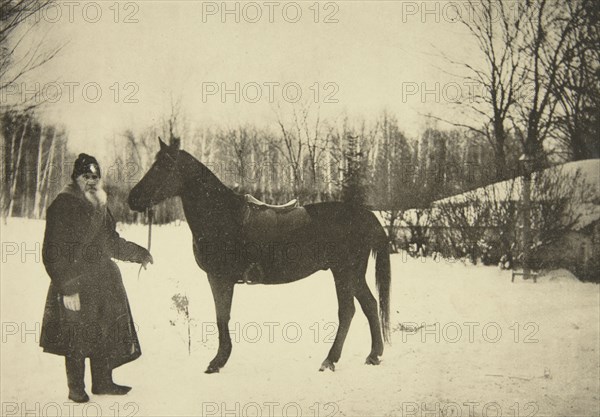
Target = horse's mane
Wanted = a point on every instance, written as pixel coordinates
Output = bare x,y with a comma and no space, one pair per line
196,173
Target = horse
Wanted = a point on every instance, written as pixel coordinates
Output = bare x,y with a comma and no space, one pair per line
328,235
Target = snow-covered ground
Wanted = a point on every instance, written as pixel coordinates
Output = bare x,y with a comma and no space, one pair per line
488,347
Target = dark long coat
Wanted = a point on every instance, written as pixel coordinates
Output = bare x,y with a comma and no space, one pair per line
79,242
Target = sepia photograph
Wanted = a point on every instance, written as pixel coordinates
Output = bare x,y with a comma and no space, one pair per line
300,208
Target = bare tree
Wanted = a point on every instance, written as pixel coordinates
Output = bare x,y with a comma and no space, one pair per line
292,147
17,145
527,49
17,19
56,147
310,128
578,120
390,179
204,143
41,170
547,29
241,141
493,88
29,163
20,55
173,125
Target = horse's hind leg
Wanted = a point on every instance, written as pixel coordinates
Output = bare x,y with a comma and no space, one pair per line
222,294
369,307
344,286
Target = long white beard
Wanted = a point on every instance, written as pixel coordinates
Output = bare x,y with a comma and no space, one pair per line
97,198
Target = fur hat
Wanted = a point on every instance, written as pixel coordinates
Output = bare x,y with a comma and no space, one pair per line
85,164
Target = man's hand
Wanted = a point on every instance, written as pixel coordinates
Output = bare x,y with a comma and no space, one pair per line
72,302
147,260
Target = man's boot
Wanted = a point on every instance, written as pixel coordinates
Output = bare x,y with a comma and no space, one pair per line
75,372
102,383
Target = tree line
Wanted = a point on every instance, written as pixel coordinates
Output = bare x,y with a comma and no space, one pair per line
539,94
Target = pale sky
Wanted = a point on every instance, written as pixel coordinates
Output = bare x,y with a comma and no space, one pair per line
180,49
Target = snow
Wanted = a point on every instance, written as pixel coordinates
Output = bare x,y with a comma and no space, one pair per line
589,170
485,346
587,211
560,275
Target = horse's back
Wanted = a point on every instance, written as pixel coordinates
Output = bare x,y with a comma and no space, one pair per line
338,212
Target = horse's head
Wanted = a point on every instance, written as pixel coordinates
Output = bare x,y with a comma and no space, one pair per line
163,180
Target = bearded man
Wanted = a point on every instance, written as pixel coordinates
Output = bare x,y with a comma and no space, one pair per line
87,313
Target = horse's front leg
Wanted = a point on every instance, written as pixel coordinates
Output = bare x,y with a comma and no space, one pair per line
222,294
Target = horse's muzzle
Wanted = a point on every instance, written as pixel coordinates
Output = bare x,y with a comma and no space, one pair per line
137,202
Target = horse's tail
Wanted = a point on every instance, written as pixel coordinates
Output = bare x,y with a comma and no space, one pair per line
383,277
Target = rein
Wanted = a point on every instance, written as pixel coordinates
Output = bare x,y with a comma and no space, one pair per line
150,213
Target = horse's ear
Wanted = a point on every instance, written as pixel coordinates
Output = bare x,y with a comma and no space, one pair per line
176,143
163,145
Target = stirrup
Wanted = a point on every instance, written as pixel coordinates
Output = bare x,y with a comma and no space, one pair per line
249,274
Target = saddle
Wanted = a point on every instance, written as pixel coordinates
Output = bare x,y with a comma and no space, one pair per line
264,223
267,222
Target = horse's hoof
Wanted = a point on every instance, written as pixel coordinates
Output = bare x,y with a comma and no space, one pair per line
211,370
327,364
372,360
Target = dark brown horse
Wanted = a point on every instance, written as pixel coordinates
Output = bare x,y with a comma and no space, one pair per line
232,236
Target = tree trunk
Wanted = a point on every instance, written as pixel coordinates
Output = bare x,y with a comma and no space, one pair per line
13,186
46,178
500,153
38,176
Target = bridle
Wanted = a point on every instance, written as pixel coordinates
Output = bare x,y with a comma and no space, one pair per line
162,185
